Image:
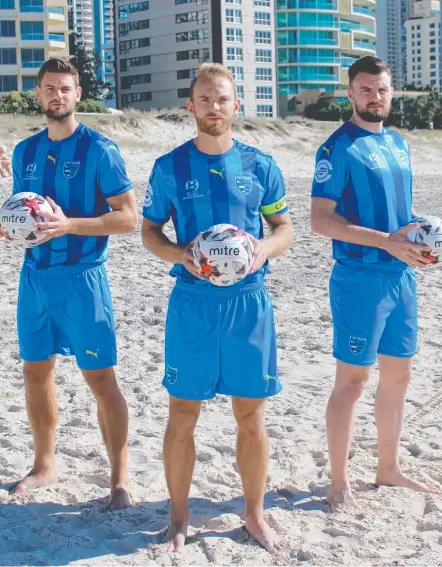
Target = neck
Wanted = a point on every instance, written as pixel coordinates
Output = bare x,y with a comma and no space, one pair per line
61,130
214,145
375,127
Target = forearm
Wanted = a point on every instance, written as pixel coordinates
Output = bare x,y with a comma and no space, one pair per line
159,245
280,240
115,222
337,227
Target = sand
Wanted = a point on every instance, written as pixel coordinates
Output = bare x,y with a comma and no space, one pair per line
65,523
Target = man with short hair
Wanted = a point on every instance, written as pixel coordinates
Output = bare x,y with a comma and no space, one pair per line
209,180
64,304
362,199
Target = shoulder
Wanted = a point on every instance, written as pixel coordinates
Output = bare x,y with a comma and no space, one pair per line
32,140
181,151
102,144
254,153
340,141
396,137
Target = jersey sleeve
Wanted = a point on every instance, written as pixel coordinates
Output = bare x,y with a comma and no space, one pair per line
17,180
157,206
331,172
112,175
274,197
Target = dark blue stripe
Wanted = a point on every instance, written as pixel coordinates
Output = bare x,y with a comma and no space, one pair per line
29,157
77,198
349,208
187,226
253,201
49,174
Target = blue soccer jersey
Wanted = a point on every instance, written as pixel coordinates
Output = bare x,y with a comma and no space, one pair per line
79,173
199,190
369,176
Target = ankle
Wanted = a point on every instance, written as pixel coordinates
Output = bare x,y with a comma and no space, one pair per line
180,516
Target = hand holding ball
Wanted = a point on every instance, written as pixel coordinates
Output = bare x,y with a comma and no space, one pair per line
430,234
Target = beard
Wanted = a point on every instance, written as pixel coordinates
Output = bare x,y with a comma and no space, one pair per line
214,129
57,115
375,115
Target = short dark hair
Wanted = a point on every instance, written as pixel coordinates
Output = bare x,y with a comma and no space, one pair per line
368,64
56,65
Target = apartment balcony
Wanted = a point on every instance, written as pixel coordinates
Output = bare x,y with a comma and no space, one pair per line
30,68
57,41
364,47
364,12
316,5
55,14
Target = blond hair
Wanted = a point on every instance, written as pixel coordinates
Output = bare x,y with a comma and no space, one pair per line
209,71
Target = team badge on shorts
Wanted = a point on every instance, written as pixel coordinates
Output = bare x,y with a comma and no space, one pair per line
357,344
171,374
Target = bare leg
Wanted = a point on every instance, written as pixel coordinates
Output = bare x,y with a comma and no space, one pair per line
179,462
113,421
252,450
340,417
395,375
41,404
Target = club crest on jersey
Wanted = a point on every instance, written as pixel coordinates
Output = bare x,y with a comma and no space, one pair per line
70,169
357,344
403,156
244,184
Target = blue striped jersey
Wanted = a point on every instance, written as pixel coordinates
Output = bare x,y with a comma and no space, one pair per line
79,173
369,176
198,190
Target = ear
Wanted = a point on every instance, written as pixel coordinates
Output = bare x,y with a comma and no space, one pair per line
78,94
190,107
237,105
350,94
37,93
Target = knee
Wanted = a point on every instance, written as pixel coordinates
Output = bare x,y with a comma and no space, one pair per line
400,380
351,390
104,385
38,374
182,422
251,422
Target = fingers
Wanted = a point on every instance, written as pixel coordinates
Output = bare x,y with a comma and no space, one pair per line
52,203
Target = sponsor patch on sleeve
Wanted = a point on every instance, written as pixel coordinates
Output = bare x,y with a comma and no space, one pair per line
323,171
274,208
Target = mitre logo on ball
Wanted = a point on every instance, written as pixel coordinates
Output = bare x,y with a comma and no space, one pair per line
223,254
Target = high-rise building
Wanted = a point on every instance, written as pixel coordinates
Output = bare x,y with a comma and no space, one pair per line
31,31
423,44
391,36
104,44
81,20
160,46
318,40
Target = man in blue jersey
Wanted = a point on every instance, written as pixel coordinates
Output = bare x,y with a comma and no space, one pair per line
218,340
64,304
362,199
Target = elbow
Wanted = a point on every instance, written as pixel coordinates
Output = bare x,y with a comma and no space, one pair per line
317,225
132,222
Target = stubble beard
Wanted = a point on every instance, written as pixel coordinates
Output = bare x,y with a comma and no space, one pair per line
375,116
57,116
216,129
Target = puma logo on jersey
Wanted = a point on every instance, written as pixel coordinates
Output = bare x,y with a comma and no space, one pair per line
52,158
216,172
385,148
325,149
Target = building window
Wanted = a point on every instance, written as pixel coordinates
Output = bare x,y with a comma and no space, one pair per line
200,54
7,28
233,16
234,54
125,64
126,46
201,36
240,91
186,74
241,110
263,36
8,56
127,82
234,34
262,19
8,83
201,16
264,110
184,93
7,5
263,74
32,30
263,56
233,1
125,11
265,3
264,92
126,99
32,58
198,2
125,29
238,73
29,83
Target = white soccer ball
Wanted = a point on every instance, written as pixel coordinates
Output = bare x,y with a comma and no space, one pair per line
223,254
430,234
18,216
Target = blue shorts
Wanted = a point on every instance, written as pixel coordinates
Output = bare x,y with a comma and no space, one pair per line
374,311
69,314
220,341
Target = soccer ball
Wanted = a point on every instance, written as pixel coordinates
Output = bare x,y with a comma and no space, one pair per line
430,234
223,254
18,216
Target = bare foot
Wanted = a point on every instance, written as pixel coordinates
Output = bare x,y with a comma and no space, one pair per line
261,532
34,480
175,538
119,499
396,478
342,501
